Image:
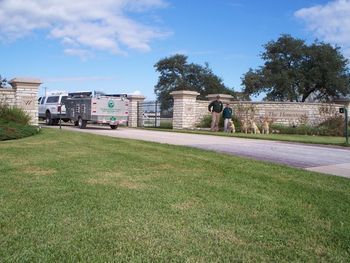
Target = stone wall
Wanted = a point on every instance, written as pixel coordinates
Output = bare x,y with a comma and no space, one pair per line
201,110
188,112
286,113
7,96
24,95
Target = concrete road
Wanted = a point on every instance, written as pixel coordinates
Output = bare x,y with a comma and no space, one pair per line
323,159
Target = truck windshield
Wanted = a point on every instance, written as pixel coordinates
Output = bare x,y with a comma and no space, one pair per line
52,99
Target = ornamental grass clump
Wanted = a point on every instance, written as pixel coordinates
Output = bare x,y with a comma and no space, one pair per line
13,114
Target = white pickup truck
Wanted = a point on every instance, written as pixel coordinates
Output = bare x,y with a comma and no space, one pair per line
52,108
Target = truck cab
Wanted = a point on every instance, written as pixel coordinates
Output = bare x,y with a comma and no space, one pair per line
52,108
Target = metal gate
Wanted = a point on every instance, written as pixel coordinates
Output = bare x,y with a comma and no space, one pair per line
150,114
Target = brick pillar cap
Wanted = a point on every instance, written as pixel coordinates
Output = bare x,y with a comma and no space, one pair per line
136,97
25,80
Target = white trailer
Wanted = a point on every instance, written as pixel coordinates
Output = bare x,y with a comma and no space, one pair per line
84,107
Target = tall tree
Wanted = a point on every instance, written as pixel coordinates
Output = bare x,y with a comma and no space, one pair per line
3,82
177,74
294,71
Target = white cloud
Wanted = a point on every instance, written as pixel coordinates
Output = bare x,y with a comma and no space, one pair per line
84,54
329,22
82,26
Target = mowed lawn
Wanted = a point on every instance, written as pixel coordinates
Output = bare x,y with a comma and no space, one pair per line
73,197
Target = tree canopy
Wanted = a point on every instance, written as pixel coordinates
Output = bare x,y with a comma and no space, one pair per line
3,82
177,74
295,71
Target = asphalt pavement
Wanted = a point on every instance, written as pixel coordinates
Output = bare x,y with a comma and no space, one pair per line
318,158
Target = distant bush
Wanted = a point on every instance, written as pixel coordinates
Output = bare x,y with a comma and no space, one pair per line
14,123
166,124
303,129
333,126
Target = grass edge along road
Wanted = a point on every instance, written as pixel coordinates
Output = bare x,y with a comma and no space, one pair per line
67,196
297,138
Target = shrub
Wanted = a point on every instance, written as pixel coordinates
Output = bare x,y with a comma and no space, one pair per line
13,114
303,129
205,122
333,126
11,130
14,123
166,124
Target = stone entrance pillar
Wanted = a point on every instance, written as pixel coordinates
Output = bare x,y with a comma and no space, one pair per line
133,109
26,97
184,112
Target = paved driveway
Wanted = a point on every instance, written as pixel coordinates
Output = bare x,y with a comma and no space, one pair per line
330,160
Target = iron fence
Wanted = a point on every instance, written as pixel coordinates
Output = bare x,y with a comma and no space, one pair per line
150,114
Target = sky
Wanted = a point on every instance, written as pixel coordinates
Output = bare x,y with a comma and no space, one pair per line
112,45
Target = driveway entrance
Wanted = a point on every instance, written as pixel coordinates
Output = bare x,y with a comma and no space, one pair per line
323,159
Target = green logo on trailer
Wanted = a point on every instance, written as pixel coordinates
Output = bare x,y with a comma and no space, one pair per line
111,104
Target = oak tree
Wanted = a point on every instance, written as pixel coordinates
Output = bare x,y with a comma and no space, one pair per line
177,74
295,71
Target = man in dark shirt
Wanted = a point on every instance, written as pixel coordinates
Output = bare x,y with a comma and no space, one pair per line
215,107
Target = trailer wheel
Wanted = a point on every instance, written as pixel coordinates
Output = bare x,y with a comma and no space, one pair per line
48,119
113,127
81,123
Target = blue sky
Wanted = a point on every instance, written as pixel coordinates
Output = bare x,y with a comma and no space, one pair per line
112,45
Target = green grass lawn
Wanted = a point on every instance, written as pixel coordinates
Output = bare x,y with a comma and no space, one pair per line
73,197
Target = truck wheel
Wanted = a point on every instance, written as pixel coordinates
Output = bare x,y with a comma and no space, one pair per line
113,127
81,123
48,119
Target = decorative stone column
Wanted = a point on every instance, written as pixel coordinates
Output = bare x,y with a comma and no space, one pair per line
184,112
26,97
134,100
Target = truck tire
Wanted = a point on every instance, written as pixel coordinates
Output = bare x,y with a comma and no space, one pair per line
48,119
81,123
113,127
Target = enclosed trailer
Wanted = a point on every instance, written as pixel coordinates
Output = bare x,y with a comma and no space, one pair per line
84,107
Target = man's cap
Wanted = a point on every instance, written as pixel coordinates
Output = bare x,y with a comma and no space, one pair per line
218,96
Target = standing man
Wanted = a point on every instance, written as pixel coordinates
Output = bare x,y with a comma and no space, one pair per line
215,107
227,115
